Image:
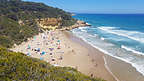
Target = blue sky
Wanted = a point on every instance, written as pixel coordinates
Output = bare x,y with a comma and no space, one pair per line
97,6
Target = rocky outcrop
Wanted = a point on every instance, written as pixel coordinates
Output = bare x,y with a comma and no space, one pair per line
49,23
55,23
77,25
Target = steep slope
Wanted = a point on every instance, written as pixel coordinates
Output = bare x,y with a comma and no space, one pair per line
18,20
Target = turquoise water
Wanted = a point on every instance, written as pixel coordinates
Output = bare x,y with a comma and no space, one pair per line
118,35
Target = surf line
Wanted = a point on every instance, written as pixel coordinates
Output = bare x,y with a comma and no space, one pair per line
105,64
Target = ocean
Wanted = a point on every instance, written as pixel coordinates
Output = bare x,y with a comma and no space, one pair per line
118,35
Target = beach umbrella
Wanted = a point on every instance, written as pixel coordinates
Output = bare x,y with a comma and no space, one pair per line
58,41
43,53
38,49
51,49
29,47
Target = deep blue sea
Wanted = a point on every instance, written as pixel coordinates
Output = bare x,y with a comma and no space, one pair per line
118,35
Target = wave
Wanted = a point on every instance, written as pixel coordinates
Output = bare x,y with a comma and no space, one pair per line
134,35
129,49
83,29
138,67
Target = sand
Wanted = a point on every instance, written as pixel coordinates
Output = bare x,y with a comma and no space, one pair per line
122,70
73,52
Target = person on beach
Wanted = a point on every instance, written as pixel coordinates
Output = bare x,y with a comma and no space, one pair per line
91,75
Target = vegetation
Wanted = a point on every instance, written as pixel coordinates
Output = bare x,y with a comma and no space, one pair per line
20,10
17,20
19,67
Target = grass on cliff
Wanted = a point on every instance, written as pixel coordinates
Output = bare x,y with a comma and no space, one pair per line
19,67
12,33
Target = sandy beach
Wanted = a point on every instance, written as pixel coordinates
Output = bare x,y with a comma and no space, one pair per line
62,49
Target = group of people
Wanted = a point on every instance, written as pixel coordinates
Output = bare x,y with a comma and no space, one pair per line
48,47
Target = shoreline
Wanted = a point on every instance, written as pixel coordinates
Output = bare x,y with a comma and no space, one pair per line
98,54
133,74
106,66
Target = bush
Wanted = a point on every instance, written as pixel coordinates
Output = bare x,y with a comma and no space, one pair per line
19,67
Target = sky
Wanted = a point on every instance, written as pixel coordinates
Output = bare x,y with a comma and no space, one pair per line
97,6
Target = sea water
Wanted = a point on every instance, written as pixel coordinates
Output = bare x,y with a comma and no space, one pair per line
118,35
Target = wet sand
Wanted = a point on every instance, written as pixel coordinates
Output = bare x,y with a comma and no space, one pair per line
122,70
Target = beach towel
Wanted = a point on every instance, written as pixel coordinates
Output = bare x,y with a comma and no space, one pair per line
51,49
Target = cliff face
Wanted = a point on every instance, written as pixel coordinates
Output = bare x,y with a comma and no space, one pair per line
49,23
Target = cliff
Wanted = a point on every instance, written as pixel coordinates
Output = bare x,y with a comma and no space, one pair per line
77,25
49,23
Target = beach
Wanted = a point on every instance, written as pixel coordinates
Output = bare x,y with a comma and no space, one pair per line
120,70
63,49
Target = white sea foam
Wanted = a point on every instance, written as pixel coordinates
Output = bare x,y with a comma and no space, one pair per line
83,29
129,49
134,35
102,38
92,35
139,67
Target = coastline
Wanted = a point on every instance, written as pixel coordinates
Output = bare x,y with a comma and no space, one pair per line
121,70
